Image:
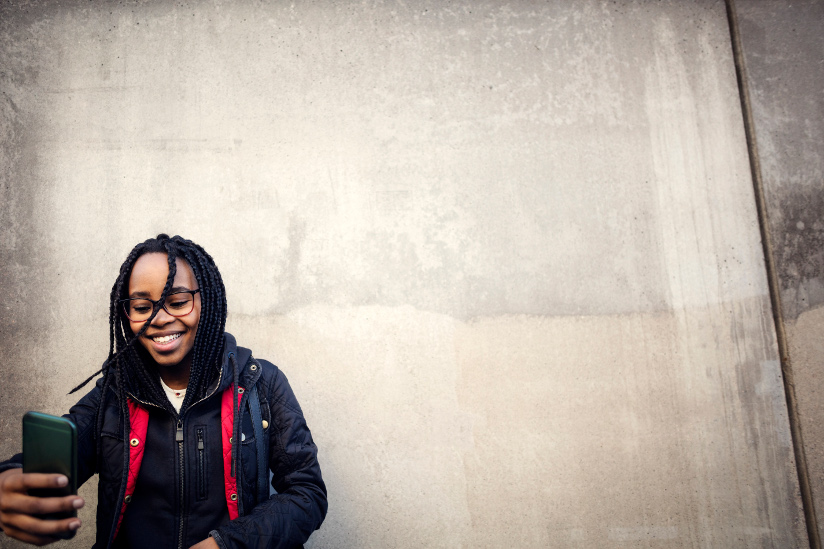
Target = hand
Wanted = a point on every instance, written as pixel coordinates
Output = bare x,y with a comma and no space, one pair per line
208,543
17,507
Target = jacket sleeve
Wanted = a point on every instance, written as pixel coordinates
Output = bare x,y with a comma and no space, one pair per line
14,462
288,518
82,414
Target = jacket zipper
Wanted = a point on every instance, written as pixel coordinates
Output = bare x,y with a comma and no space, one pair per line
181,463
179,439
201,466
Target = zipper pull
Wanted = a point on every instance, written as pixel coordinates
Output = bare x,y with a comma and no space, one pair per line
179,433
199,440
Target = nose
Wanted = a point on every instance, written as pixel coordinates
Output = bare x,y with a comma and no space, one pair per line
162,318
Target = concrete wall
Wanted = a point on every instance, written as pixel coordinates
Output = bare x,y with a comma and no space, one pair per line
784,56
506,252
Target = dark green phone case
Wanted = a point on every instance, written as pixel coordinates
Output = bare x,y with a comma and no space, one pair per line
50,446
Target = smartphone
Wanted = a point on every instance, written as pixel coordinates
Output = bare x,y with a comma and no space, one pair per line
50,446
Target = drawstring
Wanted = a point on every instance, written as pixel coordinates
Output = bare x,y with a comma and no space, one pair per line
235,418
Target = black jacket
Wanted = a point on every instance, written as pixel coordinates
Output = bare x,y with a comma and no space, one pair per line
179,499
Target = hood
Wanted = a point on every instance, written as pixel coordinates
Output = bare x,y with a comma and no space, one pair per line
242,356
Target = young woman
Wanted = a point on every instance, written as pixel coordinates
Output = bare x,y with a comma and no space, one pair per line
184,427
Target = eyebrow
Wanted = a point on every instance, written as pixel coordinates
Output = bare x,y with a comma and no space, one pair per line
174,289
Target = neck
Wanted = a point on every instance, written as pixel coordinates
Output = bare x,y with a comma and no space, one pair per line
177,376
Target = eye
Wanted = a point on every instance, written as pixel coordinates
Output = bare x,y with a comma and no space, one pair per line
141,308
178,302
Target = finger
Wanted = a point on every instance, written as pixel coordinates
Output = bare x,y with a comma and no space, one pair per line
26,481
32,505
21,535
43,528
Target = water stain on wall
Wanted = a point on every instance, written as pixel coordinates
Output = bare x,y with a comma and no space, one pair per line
783,47
798,243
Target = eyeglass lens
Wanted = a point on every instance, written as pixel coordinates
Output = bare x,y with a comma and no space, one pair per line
139,310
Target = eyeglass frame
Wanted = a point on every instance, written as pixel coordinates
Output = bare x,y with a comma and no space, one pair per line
156,303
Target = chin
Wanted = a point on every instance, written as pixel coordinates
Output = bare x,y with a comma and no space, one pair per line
168,361
164,360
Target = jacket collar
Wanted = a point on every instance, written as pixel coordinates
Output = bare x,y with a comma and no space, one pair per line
246,375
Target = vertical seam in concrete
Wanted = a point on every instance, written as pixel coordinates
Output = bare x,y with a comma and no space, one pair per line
772,278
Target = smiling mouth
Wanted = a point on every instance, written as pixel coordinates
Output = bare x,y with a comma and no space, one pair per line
165,339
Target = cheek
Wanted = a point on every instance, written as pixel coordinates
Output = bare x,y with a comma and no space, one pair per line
195,322
140,341
135,326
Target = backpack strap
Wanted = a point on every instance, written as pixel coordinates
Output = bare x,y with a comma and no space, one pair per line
262,446
232,488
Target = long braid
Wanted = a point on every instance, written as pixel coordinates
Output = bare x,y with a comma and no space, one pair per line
114,359
124,414
128,367
205,356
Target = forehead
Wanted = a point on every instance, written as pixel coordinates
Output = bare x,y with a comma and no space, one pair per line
151,270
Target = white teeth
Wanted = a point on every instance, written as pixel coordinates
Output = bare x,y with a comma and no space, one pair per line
165,339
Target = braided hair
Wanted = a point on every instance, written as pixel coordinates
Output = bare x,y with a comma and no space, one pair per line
129,369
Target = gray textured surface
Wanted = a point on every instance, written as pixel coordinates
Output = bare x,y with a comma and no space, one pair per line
506,252
784,49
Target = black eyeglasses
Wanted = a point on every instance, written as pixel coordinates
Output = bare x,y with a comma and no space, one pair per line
139,309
